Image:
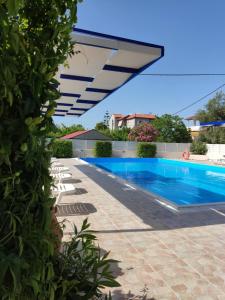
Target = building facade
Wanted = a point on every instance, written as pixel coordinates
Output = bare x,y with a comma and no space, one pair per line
129,121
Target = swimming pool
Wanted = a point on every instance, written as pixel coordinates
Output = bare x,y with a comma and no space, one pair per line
182,183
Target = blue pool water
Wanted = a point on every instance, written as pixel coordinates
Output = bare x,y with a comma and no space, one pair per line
182,183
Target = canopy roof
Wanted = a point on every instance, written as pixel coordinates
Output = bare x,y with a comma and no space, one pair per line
101,64
214,123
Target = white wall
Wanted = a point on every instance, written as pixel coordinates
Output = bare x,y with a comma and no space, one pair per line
129,149
216,151
130,123
112,123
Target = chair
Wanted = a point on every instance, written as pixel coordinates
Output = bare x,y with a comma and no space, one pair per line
54,170
217,159
57,164
61,189
60,177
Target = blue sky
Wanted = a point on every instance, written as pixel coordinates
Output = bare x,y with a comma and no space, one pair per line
192,33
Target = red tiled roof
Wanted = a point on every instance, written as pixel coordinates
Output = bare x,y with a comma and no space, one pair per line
123,118
118,115
192,118
142,116
74,134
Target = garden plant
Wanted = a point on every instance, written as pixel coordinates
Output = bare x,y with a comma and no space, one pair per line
35,40
103,149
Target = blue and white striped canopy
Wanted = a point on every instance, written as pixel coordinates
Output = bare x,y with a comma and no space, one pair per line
101,64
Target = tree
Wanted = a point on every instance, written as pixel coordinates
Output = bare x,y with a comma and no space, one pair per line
171,129
213,135
214,110
100,126
144,132
120,134
106,119
35,40
59,131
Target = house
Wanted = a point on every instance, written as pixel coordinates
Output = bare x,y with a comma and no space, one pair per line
193,126
130,121
86,135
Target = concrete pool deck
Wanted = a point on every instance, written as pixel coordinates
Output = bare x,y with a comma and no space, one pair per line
173,255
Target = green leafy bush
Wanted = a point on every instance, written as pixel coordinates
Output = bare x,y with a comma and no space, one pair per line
81,269
120,134
143,132
171,129
62,149
58,131
35,39
146,150
103,149
198,147
213,135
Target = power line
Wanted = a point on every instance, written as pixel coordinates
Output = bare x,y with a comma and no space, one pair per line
182,74
200,99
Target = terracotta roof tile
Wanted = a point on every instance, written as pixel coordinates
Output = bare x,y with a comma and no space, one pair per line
118,115
74,134
142,116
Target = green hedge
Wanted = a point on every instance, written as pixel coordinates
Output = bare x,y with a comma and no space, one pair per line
198,147
62,149
146,150
103,149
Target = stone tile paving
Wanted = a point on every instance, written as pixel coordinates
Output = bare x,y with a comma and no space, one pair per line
173,255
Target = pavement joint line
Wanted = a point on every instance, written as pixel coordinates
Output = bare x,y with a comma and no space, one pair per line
130,186
218,212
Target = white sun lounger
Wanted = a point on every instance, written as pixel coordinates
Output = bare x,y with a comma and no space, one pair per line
60,177
57,164
217,159
58,169
61,189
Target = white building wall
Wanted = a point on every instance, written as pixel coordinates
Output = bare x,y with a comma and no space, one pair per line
113,123
216,151
131,123
138,121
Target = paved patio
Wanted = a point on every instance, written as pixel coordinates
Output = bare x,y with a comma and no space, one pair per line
173,255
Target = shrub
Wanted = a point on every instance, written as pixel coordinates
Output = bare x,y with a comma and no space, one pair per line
171,129
35,40
144,132
82,269
62,149
146,150
213,135
198,147
103,149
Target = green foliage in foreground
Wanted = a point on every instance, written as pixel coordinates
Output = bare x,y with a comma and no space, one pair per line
35,40
82,270
103,149
198,147
171,129
62,148
146,150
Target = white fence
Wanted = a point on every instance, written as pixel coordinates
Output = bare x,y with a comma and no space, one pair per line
85,148
216,151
